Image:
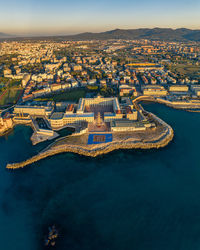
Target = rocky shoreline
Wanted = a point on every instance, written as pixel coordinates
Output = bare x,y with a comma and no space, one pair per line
101,149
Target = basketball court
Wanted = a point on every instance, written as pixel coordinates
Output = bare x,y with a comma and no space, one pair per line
99,138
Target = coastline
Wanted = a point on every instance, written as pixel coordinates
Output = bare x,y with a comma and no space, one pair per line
96,150
187,106
6,132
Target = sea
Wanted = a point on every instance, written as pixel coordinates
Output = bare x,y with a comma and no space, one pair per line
125,200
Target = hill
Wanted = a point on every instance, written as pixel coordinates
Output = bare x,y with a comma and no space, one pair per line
162,34
4,35
132,34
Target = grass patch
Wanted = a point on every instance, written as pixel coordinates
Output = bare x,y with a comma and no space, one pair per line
10,97
187,70
69,95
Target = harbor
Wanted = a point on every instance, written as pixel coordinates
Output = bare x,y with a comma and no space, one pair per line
65,189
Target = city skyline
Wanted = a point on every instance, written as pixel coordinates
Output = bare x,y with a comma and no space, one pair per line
64,18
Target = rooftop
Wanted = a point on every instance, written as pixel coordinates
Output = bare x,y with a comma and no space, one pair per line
126,123
57,115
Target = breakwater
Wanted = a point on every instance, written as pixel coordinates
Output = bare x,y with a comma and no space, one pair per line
185,105
194,106
161,141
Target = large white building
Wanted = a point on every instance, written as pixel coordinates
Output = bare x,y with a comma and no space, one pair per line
86,111
34,110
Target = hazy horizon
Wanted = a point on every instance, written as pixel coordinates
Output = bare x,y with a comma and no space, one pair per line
34,17
85,31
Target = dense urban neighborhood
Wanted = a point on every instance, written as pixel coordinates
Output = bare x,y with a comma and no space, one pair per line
70,70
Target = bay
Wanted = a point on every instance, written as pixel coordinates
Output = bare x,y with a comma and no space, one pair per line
128,199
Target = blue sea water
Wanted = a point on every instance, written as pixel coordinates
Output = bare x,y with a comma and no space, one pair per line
130,199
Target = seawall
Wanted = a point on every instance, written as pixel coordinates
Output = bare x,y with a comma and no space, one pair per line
177,105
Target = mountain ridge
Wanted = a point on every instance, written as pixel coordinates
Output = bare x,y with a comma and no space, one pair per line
4,35
162,34
166,34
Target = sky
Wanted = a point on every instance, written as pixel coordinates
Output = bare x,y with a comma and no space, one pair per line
52,17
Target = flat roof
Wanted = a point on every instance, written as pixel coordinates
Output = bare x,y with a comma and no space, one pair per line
109,114
57,115
80,115
126,123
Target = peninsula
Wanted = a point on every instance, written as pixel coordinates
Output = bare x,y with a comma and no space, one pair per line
101,125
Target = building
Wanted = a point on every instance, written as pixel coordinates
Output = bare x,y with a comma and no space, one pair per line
56,87
26,78
178,88
81,115
131,114
34,110
154,90
99,102
77,67
196,89
87,110
7,72
5,124
126,126
126,90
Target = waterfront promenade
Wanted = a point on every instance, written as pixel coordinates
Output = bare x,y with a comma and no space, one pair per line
186,105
